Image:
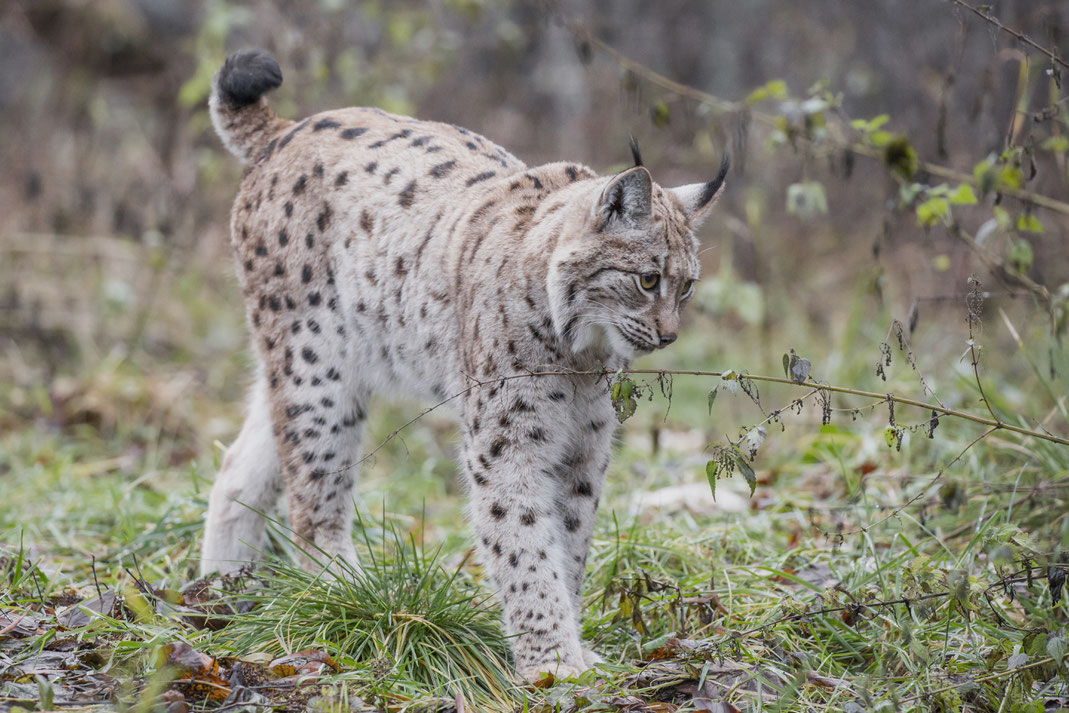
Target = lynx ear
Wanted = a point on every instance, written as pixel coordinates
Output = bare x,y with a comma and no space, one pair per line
627,197
697,198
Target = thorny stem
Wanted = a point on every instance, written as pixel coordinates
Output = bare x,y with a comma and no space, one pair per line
994,424
581,33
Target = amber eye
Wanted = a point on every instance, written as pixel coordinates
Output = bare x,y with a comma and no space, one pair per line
688,288
649,281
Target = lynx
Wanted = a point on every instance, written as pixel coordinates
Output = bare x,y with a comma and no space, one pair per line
382,254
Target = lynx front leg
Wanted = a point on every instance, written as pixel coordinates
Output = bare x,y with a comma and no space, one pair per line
513,500
582,477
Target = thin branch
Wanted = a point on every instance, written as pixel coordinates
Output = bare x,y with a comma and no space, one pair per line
922,491
993,424
1054,58
981,679
581,33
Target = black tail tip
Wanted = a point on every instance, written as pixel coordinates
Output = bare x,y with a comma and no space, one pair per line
246,76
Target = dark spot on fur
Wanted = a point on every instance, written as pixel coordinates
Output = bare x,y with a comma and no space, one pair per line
442,169
352,133
407,196
327,123
323,219
342,179
484,176
497,511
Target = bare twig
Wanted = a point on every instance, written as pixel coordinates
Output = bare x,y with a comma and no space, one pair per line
1054,58
723,106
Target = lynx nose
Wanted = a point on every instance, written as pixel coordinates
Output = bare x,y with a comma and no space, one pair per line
667,339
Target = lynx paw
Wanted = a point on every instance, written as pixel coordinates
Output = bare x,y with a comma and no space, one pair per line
591,658
537,673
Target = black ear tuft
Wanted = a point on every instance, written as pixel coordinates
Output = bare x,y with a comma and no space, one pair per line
714,185
634,150
246,76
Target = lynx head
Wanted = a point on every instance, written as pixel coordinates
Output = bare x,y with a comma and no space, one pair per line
629,261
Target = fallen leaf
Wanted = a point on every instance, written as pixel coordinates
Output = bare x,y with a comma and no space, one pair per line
304,663
547,681
823,681
17,626
77,615
197,675
172,702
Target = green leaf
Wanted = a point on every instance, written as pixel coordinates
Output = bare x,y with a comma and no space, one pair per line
1020,256
1056,649
747,472
932,211
807,199
1055,144
890,436
787,365
623,397
712,397
659,114
711,469
45,692
984,175
774,89
1028,223
1009,177
1002,216
963,195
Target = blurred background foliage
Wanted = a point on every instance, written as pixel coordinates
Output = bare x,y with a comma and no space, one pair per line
884,152
119,314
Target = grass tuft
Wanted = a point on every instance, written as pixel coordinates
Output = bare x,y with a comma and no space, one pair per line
406,620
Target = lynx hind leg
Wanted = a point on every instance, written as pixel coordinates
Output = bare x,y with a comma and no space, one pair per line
249,483
320,447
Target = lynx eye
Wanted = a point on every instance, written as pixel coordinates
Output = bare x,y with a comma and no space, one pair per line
649,281
688,288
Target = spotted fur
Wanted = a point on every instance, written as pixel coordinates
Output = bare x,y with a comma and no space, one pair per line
381,254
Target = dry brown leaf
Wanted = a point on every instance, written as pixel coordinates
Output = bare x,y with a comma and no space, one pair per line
197,675
14,625
823,681
304,663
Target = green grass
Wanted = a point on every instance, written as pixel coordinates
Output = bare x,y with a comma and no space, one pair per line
777,604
